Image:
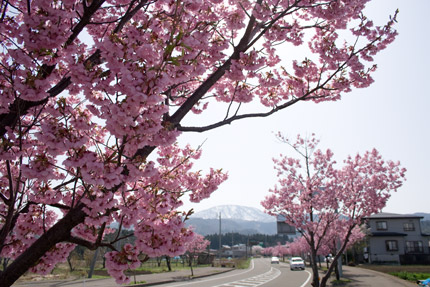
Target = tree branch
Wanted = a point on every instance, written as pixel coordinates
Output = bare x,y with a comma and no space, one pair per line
85,20
88,244
238,117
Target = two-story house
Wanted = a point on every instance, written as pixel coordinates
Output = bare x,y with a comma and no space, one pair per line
397,238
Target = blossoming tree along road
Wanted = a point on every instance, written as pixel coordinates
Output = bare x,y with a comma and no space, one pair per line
326,204
193,247
90,89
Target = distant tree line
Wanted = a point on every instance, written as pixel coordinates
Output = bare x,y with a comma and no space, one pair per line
234,238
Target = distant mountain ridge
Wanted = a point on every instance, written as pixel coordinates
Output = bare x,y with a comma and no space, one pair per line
248,220
234,218
235,212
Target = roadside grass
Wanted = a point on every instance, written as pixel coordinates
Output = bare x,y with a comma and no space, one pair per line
62,272
406,272
243,263
411,276
137,282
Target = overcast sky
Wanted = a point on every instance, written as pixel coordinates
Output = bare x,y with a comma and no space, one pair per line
392,116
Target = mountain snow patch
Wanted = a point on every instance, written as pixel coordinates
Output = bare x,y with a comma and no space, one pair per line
236,212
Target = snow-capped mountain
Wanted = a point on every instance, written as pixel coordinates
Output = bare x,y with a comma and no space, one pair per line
235,212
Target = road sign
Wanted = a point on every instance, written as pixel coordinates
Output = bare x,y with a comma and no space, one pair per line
283,227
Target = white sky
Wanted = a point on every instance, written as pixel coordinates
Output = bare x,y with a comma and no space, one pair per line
391,115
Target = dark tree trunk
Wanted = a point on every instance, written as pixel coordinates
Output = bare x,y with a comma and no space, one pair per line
69,261
336,271
339,253
169,267
58,233
315,274
191,264
104,262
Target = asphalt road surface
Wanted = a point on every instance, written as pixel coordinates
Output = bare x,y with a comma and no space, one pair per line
261,273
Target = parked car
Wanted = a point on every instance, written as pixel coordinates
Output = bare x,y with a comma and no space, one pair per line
275,260
297,263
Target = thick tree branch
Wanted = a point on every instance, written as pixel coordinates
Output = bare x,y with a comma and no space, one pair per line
4,231
88,244
89,11
186,107
212,79
129,14
58,233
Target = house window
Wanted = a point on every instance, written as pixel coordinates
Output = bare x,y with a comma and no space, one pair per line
391,245
414,247
381,225
408,226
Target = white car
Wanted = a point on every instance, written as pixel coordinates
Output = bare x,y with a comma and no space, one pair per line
297,263
275,260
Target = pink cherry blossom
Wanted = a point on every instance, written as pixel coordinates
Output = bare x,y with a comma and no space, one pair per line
326,204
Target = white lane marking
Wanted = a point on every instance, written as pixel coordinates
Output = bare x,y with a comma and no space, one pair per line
255,281
307,281
207,280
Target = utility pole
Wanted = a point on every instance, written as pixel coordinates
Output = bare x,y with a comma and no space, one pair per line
219,250
246,247
93,263
339,260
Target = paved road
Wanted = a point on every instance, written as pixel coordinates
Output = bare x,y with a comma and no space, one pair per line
261,273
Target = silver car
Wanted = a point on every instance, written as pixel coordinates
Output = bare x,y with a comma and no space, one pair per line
297,263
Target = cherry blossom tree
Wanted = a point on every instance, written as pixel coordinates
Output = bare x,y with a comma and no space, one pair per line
325,203
267,251
193,247
298,247
279,250
256,249
94,94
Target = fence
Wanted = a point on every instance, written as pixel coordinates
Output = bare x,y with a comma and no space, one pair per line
412,259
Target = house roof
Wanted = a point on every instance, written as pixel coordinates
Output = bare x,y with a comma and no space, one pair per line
387,234
386,215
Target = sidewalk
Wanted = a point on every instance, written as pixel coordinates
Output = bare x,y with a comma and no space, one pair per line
149,279
361,277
